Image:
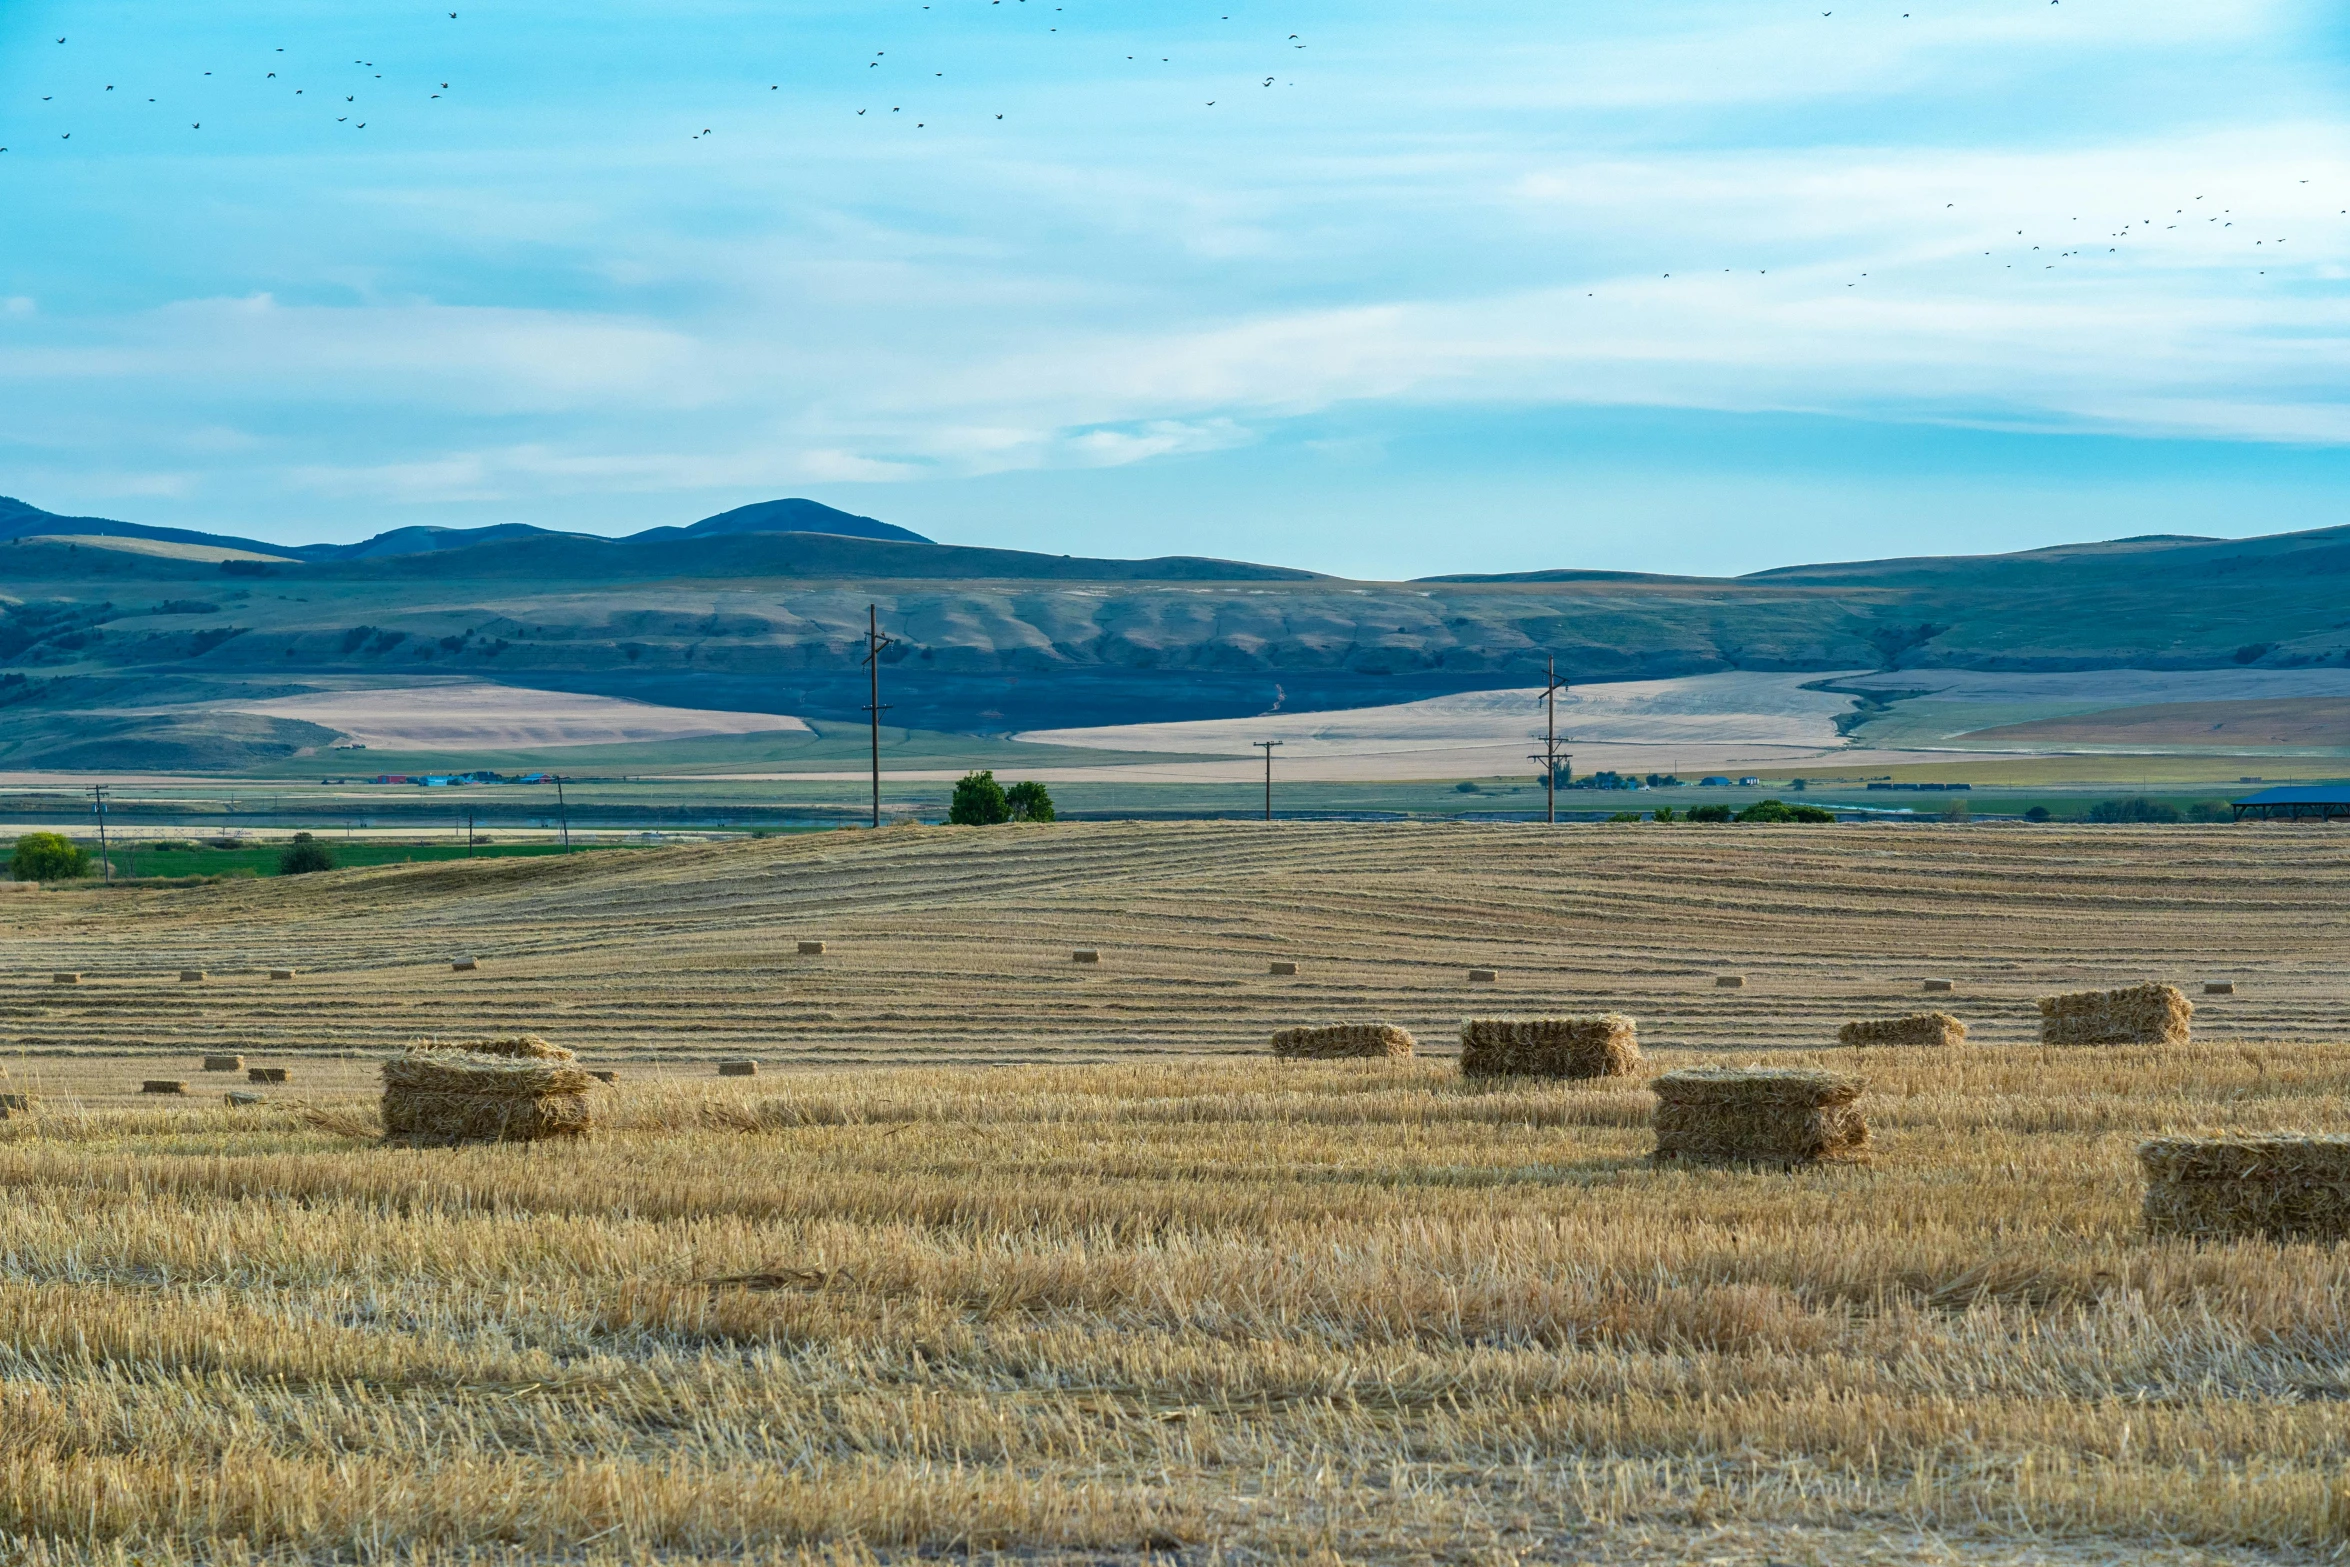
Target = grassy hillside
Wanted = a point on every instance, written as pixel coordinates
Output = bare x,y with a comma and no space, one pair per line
992,641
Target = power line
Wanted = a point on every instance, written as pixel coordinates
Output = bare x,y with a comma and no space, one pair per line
1266,746
874,643
1550,756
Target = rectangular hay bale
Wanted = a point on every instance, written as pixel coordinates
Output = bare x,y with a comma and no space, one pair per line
461,965
2135,1015
1483,976
191,976
514,1090
738,1069
65,978
1282,968
235,1098
1941,985
2223,987
1342,1041
811,949
266,1074
2279,1186
16,1101
281,973
1782,1116
1729,982
1607,1045
224,1063
1085,955
1919,1028
162,1085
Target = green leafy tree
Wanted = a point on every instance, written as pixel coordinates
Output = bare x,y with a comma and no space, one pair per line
304,855
1664,813
2038,813
979,801
1029,802
1709,813
48,856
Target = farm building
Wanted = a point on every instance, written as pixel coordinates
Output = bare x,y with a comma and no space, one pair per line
2298,802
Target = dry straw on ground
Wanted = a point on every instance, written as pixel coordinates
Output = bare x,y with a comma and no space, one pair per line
1337,1041
517,1089
2137,1015
2284,1187
1920,1028
1758,1115
1607,1045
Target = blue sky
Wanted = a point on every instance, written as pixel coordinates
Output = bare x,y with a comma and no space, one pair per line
1379,288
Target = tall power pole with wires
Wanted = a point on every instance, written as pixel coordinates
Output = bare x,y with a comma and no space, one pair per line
105,859
563,812
1550,756
874,643
1266,746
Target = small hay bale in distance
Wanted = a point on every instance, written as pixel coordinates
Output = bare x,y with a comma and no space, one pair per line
2135,1015
266,1074
2279,1187
1783,1116
1729,982
224,1063
462,965
811,949
1342,1042
281,973
516,1090
1283,968
738,1069
1086,955
1607,1045
65,977
1941,984
1919,1028
1483,976
2219,987
16,1101
163,1085
191,976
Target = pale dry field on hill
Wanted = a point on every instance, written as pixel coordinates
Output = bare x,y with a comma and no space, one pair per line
1133,1292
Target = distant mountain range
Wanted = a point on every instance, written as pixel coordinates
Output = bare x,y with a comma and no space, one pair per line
763,609
19,521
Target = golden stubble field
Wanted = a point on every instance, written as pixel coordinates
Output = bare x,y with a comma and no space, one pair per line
1133,1292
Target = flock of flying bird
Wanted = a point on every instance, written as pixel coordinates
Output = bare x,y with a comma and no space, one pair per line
350,94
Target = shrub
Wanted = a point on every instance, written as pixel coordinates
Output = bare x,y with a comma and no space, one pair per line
1029,802
2038,813
1708,813
1625,816
304,855
1956,811
1466,786
2139,809
1770,811
2210,811
979,801
48,856
1664,813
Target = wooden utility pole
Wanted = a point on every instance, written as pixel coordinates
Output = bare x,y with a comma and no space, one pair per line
874,643
563,810
105,861
1549,755
1266,746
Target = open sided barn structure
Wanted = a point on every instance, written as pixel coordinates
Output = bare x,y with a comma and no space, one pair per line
2300,802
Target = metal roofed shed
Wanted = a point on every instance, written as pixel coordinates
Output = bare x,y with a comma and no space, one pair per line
2297,802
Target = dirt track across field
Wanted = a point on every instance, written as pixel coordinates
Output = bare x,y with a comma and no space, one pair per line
953,945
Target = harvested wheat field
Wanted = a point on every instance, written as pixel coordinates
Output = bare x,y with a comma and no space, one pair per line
1133,1297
